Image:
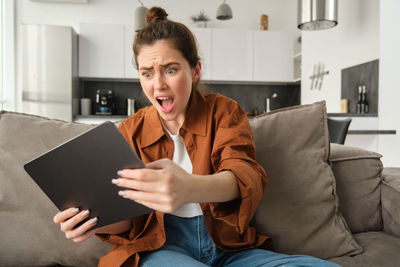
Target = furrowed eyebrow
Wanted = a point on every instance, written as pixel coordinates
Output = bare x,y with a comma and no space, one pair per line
170,64
145,68
162,66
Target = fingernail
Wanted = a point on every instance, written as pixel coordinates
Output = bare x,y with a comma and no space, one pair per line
93,221
85,213
114,181
122,193
119,173
74,211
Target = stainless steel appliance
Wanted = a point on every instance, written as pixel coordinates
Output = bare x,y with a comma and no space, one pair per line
130,106
50,71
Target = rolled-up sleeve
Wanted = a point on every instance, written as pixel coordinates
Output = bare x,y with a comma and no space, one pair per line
234,150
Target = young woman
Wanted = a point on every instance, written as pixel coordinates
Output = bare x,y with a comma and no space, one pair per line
201,179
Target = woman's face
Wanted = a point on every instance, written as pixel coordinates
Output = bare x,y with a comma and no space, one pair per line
166,79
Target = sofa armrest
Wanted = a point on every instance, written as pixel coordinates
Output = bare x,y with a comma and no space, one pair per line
358,180
391,201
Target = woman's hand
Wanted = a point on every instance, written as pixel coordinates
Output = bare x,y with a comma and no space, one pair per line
162,186
69,218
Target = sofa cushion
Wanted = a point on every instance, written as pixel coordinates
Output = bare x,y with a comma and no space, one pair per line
28,235
300,207
358,177
380,250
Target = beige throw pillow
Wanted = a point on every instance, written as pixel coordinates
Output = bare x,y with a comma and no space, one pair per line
300,207
28,235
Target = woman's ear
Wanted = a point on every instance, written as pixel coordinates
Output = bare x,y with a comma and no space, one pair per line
196,72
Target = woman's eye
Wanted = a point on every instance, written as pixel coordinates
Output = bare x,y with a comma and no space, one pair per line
146,74
171,71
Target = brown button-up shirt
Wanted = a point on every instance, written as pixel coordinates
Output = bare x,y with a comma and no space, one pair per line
217,137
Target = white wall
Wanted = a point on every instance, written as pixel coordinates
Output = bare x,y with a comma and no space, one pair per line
353,41
389,88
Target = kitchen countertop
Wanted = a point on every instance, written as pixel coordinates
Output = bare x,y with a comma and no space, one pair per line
363,124
352,115
371,132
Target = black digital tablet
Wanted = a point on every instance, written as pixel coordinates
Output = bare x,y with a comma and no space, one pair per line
78,173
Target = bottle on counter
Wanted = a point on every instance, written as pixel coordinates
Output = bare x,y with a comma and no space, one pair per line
363,97
359,100
364,105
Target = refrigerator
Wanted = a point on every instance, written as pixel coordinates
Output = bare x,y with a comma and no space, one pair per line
50,85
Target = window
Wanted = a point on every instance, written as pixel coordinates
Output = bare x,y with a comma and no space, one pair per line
1,54
7,56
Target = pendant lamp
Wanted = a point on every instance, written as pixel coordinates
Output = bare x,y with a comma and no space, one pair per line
224,12
140,17
317,14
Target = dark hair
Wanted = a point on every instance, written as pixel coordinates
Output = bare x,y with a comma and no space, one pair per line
160,28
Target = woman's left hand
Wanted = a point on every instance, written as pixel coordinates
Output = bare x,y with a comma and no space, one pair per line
163,185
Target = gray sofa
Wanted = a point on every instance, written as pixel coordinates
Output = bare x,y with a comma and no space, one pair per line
330,201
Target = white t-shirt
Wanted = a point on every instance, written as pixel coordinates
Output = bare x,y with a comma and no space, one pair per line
181,158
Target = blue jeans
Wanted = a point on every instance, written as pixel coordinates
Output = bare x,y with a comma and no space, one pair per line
189,244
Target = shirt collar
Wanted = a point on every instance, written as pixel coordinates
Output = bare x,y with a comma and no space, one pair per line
195,120
152,128
196,115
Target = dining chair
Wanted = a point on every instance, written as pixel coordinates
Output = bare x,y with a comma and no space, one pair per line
338,129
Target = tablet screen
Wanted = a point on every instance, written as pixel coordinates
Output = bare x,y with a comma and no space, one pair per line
78,173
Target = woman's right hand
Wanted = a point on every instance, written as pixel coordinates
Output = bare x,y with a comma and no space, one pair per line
69,218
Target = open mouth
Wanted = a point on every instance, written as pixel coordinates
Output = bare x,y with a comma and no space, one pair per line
166,103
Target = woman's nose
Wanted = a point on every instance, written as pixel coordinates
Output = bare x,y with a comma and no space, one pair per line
159,82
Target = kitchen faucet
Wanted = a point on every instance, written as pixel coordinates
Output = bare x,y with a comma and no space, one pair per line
267,100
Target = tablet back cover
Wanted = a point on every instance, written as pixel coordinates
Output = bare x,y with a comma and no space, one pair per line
78,173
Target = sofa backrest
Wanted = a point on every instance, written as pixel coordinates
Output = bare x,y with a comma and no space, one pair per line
358,179
29,236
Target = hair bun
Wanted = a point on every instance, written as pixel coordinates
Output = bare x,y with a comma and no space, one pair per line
156,14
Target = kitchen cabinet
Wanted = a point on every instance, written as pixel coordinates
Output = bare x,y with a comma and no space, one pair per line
204,46
232,55
101,50
130,68
105,51
273,56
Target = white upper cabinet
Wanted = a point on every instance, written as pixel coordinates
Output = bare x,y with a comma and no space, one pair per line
232,55
204,46
105,51
273,56
130,69
101,50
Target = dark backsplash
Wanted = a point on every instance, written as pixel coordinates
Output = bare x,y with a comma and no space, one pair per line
252,96
249,96
121,89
